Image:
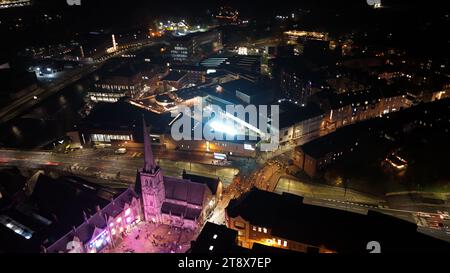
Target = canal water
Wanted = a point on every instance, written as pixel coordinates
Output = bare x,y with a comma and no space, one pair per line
48,120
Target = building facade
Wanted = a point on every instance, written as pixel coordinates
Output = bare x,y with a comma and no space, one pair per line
169,200
359,106
125,81
299,125
183,203
195,45
243,217
103,229
284,221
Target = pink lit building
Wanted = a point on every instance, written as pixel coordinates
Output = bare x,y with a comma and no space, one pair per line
156,198
173,201
102,229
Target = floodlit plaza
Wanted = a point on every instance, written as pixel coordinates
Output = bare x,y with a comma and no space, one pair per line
154,238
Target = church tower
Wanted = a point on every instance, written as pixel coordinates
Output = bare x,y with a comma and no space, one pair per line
151,180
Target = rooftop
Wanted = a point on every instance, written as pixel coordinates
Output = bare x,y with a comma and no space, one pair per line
291,113
189,93
85,231
184,190
14,80
212,183
188,68
165,98
193,35
369,96
341,139
123,116
241,85
174,76
215,239
53,209
342,231
11,182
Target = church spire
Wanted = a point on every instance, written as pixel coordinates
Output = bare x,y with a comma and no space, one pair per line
149,161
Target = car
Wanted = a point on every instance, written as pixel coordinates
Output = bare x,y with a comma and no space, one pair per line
51,163
120,151
3,160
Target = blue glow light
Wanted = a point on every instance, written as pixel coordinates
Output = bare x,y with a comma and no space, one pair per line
223,128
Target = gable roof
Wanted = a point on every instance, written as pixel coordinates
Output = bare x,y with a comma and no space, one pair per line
181,210
99,220
212,183
184,190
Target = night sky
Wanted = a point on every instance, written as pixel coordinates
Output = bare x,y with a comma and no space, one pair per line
407,18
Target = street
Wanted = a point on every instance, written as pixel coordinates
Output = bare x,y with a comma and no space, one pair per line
21,105
91,162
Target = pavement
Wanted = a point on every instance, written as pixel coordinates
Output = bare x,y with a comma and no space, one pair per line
154,238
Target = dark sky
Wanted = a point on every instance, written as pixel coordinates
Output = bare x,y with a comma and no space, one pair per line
250,7
328,14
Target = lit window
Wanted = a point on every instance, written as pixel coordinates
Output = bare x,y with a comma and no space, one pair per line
211,248
215,236
279,242
113,231
128,219
98,243
254,228
259,229
119,220
285,244
265,230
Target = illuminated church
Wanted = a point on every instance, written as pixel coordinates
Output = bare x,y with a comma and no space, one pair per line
173,201
183,203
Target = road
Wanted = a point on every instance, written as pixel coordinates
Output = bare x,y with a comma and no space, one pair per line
22,104
105,166
95,163
407,215
294,186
